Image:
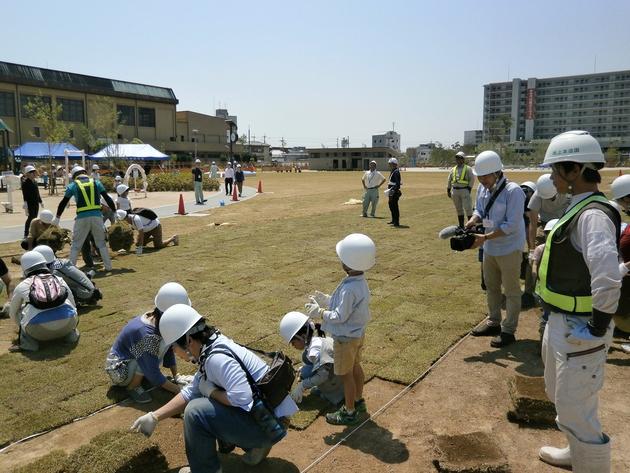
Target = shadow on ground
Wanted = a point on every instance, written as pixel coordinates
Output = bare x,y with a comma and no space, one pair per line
523,352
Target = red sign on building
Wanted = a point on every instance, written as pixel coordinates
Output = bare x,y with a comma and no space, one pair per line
530,104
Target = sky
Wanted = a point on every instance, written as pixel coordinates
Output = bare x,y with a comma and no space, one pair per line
313,72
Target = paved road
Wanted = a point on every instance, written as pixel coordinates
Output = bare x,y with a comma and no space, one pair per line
15,233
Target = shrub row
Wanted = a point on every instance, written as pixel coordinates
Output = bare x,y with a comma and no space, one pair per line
178,182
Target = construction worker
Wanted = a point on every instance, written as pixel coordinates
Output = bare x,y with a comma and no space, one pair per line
198,183
30,194
346,314
458,187
149,229
393,192
95,174
58,320
214,170
579,282
372,180
83,289
499,208
38,226
317,373
228,176
139,349
218,406
89,219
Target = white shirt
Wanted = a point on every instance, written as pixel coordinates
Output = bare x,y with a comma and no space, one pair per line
594,237
373,179
124,203
20,311
143,224
228,173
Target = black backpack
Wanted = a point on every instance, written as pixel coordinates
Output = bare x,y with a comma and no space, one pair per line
146,213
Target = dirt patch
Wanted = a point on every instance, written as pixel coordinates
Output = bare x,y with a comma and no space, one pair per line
475,452
530,401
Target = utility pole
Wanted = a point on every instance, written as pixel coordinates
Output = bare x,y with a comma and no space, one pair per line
337,142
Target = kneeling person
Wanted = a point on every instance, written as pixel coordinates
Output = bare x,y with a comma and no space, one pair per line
149,228
42,306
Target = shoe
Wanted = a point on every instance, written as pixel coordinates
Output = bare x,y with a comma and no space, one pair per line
176,240
15,349
139,395
363,215
90,274
225,447
486,330
342,417
360,406
625,347
390,223
555,456
205,200
373,216
502,340
256,455
395,224
527,301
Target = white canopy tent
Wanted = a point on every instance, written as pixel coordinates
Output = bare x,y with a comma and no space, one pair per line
139,152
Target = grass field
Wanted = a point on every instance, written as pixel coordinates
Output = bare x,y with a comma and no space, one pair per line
245,276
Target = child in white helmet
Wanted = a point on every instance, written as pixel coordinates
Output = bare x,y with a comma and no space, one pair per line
345,315
317,374
123,202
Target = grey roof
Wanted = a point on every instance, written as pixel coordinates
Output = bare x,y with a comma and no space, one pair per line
48,78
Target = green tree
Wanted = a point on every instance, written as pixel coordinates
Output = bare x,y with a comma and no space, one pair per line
48,117
104,127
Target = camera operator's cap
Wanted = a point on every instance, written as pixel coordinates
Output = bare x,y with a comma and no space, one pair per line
550,224
460,155
575,146
487,162
392,161
29,168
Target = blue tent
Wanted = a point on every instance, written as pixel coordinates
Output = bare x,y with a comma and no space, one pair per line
38,150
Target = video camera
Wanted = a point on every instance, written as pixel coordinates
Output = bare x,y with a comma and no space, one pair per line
461,238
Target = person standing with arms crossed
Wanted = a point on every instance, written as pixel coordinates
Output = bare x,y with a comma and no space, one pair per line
579,282
393,191
372,180
458,188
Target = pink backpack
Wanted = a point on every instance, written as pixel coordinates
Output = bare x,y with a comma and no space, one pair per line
47,292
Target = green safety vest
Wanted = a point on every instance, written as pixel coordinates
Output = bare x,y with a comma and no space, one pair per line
463,178
567,287
88,191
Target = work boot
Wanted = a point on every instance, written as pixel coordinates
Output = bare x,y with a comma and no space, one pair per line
590,457
555,456
527,301
486,330
502,340
255,455
460,219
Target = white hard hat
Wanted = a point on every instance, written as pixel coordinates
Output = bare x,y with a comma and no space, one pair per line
545,188
121,189
95,167
357,251
530,185
392,161
617,207
197,161
121,214
229,163
487,162
29,168
550,224
176,321
47,252
575,146
46,216
620,187
170,294
32,260
238,165
460,154
291,324
214,162
77,170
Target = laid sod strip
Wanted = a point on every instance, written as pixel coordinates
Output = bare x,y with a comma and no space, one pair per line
244,278
115,451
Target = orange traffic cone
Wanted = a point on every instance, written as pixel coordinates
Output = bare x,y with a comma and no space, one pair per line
234,193
260,187
181,210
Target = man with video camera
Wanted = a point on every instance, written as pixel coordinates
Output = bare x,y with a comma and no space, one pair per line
499,208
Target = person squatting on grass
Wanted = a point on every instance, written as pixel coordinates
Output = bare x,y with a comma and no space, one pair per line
219,406
345,315
149,229
57,320
89,219
579,282
499,207
139,349
37,228
317,374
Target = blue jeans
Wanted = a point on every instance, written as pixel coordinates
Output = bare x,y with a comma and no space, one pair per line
205,421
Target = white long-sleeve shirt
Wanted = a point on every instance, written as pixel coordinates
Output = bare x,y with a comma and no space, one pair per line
228,173
595,237
349,309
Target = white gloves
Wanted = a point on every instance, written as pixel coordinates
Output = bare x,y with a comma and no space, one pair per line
55,221
145,424
183,379
298,393
138,250
322,299
313,310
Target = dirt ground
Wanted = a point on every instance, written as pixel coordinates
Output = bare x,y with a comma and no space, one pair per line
466,392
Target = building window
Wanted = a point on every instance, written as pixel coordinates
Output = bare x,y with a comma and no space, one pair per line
36,132
7,104
126,115
146,117
71,110
25,99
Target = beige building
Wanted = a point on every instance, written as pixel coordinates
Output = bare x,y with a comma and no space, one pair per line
146,112
349,159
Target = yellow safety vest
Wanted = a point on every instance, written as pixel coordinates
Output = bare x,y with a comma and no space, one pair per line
566,302
88,191
463,178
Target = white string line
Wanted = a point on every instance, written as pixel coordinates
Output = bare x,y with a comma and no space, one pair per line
384,407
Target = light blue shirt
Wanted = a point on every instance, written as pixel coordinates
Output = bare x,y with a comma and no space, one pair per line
506,214
349,309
